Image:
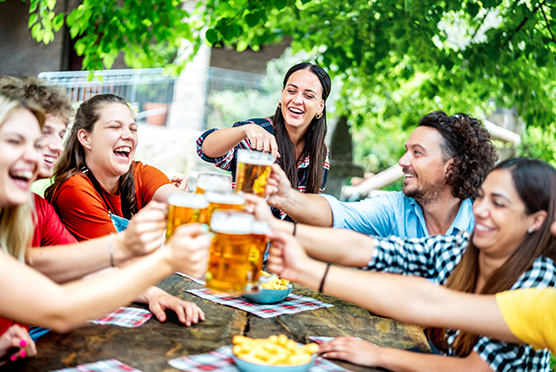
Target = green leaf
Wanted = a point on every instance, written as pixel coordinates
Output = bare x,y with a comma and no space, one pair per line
280,4
252,19
58,22
79,47
212,36
50,4
32,19
473,9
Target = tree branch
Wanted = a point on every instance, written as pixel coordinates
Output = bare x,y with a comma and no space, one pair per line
480,24
521,25
547,25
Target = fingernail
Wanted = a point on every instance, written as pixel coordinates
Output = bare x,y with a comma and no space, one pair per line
205,228
13,357
23,353
22,343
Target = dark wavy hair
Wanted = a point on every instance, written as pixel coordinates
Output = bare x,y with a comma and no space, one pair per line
314,137
467,141
52,99
535,183
72,160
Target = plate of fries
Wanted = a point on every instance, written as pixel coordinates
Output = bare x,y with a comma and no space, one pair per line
270,292
275,354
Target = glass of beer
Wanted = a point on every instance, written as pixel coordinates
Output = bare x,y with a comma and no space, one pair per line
184,208
253,170
229,200
259,242
215,182
230,267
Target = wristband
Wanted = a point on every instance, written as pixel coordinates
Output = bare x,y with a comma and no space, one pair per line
324,278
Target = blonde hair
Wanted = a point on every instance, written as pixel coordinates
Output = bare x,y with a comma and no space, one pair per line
16,222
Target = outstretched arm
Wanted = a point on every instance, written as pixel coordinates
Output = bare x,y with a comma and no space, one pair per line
64,307
408,299
310,209
220,142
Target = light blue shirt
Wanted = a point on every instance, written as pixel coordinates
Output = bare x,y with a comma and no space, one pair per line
393,213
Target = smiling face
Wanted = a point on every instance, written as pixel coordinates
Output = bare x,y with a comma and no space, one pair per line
501,223
19,156
52,146
423,165
301,99
110,146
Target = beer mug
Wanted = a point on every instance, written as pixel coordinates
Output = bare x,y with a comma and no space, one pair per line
229,200
184,208
235,259
253,170
259,230
216,182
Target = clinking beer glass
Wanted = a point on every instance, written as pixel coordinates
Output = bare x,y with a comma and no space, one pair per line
233,268
215,182
253,170
229,200
184,208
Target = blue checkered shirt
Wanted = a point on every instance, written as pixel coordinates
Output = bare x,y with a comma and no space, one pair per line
434,258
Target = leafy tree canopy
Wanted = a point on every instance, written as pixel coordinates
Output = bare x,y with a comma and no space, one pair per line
398,60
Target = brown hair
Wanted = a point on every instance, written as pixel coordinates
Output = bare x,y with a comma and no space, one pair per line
535,183
72,159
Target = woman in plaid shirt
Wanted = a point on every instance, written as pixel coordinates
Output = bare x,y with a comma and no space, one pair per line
294,135
510,248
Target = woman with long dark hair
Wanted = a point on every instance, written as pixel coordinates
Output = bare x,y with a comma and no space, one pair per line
511,247
294,134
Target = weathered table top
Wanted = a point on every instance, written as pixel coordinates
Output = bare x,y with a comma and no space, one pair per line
150,346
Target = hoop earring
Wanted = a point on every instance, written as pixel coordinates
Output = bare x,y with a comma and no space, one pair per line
318,116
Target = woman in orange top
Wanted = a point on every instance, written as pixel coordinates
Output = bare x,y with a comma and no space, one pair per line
96,181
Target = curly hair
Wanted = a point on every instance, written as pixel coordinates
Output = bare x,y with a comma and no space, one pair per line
467,141
52,99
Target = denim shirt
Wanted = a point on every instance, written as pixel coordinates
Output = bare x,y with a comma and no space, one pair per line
395,214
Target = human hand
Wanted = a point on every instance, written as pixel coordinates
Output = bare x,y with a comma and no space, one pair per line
188,313
278,187
181,182
351,349
261,140
17,342
259,208
145,231
286,257
188,249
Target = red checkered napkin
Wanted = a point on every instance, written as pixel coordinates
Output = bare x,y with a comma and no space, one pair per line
110,365
130,317
221,360
290,305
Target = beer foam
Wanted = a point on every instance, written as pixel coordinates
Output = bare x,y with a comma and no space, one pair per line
254,157
231,222
225,198
188,200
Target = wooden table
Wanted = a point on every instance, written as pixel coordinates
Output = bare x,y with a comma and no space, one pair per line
150,346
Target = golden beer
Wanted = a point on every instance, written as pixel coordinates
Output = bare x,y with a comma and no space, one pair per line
184,208
215,182
258,248
229,201
253,170
230,268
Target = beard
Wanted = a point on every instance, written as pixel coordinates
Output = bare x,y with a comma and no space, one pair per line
426,194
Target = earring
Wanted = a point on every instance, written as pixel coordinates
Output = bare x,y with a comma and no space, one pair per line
280,105
318,116
530,231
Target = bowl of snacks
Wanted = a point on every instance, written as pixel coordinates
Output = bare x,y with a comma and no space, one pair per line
274,354
270,292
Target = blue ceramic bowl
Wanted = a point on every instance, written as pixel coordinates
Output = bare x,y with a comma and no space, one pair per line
253,367
268,296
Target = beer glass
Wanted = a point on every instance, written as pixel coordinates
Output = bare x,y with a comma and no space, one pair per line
229,200
253,170
235,258
259,230
216,182
184,208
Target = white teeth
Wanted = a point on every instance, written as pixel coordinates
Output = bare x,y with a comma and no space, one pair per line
295,110
408,175
125,149
50,159
23,174
480,227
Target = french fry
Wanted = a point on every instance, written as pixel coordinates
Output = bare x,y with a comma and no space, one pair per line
274,350
275,284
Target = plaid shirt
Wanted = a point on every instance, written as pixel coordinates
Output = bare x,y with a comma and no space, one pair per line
228,161
434,258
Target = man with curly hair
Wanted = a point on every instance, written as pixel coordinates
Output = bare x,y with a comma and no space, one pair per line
446,160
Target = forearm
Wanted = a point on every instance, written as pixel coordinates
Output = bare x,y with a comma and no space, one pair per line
407,361
310,209
221,141
69,262
64,307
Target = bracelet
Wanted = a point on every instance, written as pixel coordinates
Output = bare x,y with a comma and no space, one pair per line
294,228
111,249
324,278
